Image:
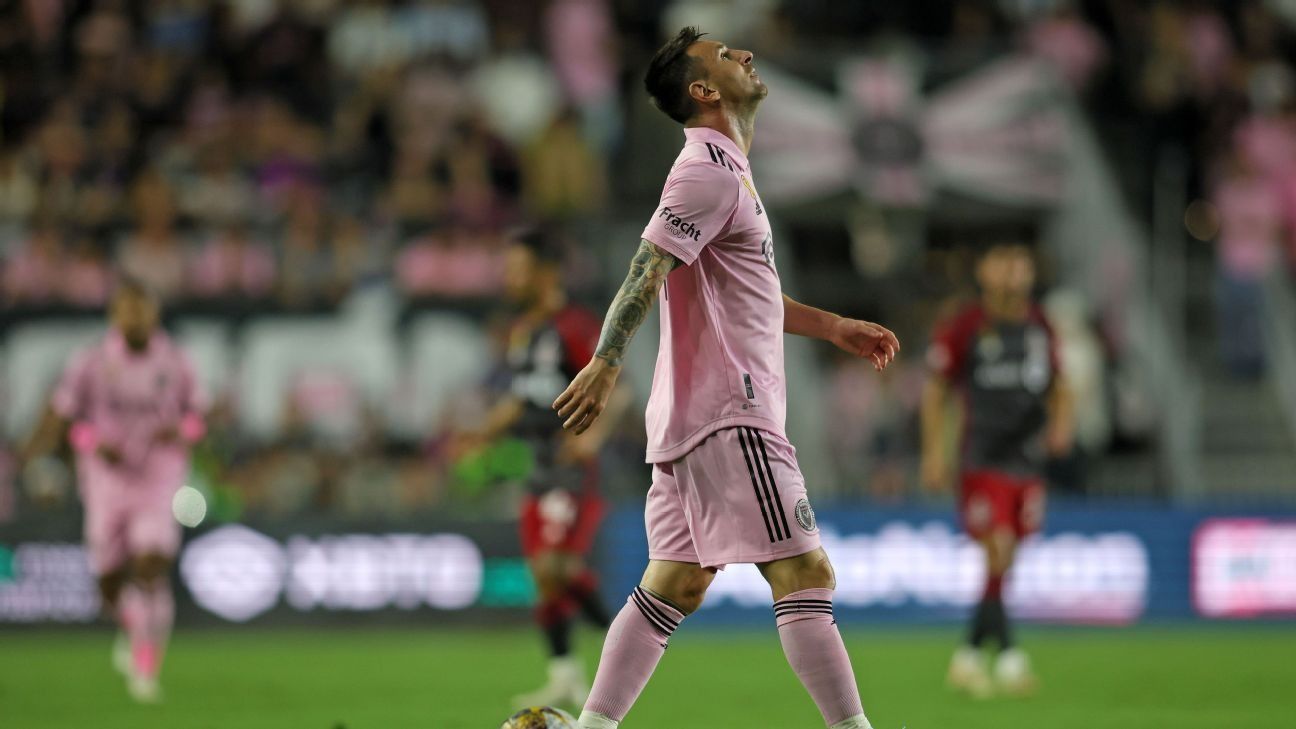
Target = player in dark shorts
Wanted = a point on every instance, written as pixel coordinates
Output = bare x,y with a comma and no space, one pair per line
999,356
549,341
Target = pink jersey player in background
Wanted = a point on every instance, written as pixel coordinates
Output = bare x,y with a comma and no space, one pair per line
131,409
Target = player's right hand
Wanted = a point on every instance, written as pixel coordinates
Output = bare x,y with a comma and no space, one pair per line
585,398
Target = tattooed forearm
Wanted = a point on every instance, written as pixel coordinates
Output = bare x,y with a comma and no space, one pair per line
648,270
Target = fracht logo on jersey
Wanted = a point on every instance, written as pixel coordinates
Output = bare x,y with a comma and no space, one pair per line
677,227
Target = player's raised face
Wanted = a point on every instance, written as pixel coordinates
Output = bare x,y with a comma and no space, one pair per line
135,313
1007,270
727,75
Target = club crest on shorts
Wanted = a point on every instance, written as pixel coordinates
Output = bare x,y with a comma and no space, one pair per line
805,515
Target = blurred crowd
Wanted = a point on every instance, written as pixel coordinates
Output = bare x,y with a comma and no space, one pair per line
271,156
278,154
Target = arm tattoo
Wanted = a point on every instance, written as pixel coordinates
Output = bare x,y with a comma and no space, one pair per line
648,270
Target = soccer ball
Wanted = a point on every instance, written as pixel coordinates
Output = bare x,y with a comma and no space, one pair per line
540,717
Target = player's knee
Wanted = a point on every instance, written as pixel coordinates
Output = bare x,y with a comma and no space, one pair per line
808,571
687,599
150,568
682,587
110,586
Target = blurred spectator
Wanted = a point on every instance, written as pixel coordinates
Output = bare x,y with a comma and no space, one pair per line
18,188
85,279
1251,218
217,193
580,39
449,264
232,265
32,271
154,252
564,174
306,271
1067,42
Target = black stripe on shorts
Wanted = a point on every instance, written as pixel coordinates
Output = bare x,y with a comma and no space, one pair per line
770,526
773,486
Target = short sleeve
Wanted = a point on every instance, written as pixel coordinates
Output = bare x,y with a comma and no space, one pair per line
697,205
71,393
948,351
580,332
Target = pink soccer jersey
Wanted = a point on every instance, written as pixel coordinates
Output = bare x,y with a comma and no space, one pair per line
720,360
127,399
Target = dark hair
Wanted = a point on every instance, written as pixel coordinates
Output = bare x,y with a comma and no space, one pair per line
669,74
134,286
544,242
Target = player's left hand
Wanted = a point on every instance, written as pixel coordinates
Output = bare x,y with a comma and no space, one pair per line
866,339
585,398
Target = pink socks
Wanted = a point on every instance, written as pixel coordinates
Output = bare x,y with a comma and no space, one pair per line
634,645
815,651
147,613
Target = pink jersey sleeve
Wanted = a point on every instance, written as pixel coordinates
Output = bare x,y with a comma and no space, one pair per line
71,394
697,206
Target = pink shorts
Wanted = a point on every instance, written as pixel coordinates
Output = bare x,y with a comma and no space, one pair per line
738,497
128,514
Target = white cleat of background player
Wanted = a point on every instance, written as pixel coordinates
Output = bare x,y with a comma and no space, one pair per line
967,673
567,685
1013,675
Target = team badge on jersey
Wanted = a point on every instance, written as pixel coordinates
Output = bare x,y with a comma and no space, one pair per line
805,516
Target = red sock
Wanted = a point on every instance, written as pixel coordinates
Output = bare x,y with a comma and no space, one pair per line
994,587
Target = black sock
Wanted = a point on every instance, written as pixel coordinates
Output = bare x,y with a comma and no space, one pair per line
592,607
979,628
999,626
558,634
990,621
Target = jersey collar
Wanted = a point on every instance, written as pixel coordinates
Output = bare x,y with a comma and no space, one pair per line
707,134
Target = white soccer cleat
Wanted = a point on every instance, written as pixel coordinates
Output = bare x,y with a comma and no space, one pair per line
566,686
594,720
1013,675
144,689
967,673
121,654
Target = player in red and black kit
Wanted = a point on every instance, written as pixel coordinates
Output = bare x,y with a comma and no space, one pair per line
549,341
1000,356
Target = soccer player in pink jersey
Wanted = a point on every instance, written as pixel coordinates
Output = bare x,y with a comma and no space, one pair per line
726,487
131,408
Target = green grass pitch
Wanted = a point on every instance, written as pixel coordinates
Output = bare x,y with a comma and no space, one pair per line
1235,677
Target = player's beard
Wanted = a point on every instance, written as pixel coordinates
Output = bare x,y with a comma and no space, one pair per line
137,341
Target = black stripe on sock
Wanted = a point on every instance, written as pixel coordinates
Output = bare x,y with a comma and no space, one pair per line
751,471
765,456
652,619
799,601
643,594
